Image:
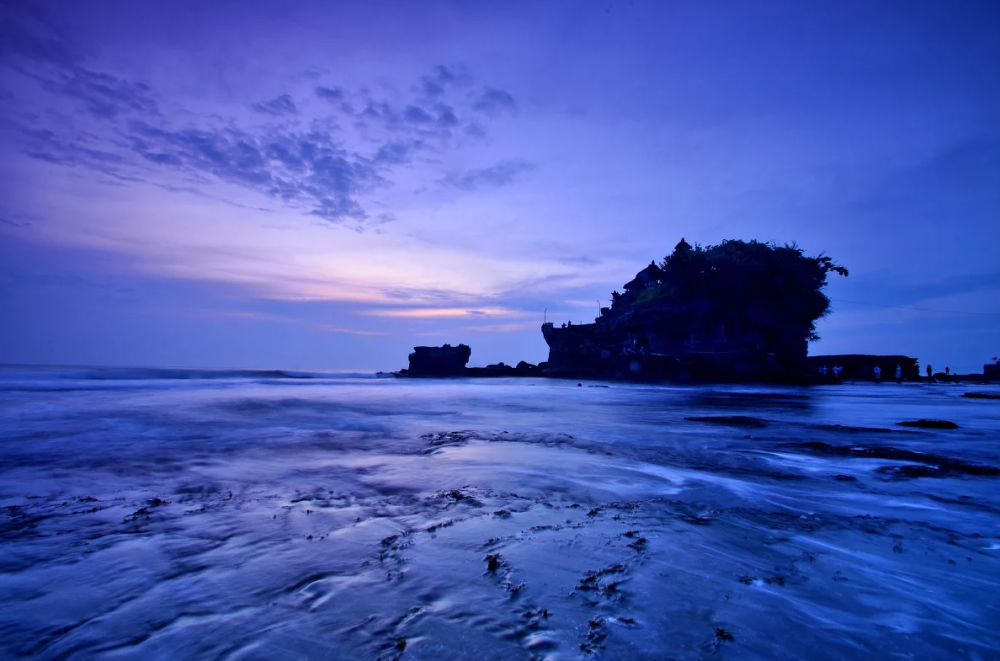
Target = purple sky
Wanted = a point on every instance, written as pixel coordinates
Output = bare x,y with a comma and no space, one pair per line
323,185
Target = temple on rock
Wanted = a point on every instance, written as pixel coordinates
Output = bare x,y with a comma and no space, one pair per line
738,310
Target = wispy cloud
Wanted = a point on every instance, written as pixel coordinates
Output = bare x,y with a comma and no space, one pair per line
502,328
251,315
446,313
280,105
301,162
492,101
501,174
14,223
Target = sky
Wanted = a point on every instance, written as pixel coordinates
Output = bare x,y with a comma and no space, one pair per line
324,185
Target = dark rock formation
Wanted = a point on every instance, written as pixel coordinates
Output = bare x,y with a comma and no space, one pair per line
449,361
927,465
737,311
929,424
438,361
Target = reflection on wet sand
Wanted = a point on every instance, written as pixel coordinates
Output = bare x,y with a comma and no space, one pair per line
247,518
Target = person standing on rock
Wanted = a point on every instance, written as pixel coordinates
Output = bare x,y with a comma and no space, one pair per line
930,372
878,374
899,374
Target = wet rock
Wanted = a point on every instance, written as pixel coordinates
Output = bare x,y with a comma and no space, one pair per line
460,497
730,420
524,367
592,579
493,562
856,430
538,612
723,636
595,636
638,545
981,395
502,514
514,590
437,526
929,424
930,465
840,477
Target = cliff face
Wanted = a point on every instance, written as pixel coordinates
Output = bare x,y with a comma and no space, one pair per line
644,353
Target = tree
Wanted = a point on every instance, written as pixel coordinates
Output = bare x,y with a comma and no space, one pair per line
747,292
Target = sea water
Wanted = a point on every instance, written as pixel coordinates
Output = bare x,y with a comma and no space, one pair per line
185,514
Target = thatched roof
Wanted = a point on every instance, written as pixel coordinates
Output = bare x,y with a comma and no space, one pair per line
651,273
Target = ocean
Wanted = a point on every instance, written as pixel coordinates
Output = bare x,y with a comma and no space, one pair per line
198,514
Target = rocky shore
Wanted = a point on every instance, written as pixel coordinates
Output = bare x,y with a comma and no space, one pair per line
449,361
736,312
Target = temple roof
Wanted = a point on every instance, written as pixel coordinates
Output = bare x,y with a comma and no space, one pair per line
649,274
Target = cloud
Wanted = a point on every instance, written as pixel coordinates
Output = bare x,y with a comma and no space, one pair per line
446,116
501,174
441,78
46,145
422,295
578,261
280,105
123,134
103,95
308,168
445,313
26,33
14,223
492,101
251,315
417,115
331,93
327,328
398,152
501,328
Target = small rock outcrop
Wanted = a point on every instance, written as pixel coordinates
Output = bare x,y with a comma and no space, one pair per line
439,361
449,361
